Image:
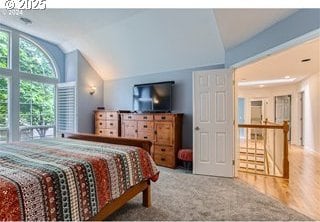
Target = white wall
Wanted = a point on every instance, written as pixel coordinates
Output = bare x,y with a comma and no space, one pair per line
310,86
154,41
311,115
268,94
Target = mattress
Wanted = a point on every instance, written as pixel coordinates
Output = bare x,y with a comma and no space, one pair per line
67,179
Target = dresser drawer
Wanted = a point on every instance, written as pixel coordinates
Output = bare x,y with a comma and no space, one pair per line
164,160
111,132
145,126
111,115
100,124
111,124
101,115
164,117
101,132
146,135
146,117
129,116
168,150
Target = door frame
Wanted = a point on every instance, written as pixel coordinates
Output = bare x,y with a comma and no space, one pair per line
281,47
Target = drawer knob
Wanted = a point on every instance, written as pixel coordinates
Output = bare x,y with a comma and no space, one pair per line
111,124
100,131
163,117
145,137
145,126
163,149
111,132
100,115
129,117
163,159
145,117
111,115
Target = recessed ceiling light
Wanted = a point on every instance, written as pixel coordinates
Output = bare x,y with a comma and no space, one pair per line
265,82
287,77
261,86
26,20
306,60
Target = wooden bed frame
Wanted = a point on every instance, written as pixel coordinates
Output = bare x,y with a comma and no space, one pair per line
143,187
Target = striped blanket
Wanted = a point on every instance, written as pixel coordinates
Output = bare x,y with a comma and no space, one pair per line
65,179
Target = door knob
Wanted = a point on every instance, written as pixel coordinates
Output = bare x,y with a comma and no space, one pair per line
197,128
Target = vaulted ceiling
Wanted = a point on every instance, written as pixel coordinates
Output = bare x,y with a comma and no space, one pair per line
121,43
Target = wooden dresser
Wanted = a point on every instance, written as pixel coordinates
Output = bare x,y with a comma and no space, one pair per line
162,129
107,123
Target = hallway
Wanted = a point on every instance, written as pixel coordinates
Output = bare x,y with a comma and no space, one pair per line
302,191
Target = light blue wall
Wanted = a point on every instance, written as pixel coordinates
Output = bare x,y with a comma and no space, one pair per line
87,77
53,50
296,25
118,94
79,70
71,66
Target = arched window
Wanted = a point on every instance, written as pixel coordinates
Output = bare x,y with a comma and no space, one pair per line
37,79
37,98
33,60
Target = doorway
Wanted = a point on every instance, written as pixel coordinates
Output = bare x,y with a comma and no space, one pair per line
301,119
257,110
241,115
283,111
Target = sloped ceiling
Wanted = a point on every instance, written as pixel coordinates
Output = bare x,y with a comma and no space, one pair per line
121,43
239,25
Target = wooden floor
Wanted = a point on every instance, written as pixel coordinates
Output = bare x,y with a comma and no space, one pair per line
302,191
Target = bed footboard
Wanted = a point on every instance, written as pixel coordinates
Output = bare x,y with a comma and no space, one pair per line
144,144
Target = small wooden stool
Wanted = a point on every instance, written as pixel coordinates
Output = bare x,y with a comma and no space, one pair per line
186,156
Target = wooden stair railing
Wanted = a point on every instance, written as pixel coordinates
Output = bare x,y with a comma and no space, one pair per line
257,160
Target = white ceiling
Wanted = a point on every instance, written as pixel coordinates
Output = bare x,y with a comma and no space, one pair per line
285,63
120,43
239,25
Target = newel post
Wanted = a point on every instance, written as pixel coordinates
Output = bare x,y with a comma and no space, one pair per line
285,151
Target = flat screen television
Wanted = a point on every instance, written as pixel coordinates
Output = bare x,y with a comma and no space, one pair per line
153,97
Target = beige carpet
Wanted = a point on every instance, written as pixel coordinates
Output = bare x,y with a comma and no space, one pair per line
181,196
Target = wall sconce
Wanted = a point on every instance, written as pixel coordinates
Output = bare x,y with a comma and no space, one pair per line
92,90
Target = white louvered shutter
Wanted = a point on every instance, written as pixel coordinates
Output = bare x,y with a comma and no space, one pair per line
66,107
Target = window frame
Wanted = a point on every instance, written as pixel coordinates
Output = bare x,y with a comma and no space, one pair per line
9,48
54,66
8,108
14,75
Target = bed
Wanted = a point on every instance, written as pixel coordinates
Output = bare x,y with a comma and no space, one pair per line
76,177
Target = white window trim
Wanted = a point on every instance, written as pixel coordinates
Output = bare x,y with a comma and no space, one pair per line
14,76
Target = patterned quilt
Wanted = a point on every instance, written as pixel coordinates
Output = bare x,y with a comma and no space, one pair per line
66,179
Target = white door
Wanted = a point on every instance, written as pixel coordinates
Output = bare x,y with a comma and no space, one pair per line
283,111
213,122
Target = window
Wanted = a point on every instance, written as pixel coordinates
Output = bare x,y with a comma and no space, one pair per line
36,81
33,60
3,109
37,98
37,110
4,49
